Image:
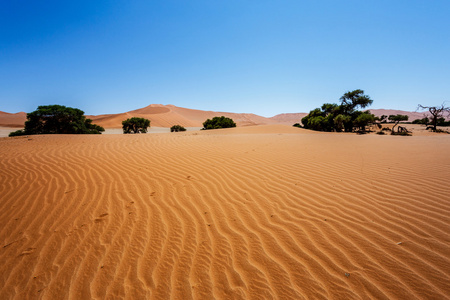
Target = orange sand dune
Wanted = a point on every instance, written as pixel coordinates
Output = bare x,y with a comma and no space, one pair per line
12,120
267,212
169,115
289,118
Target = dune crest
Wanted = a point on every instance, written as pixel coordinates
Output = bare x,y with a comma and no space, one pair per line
169,115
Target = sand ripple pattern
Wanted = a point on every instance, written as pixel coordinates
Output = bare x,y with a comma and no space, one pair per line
225,215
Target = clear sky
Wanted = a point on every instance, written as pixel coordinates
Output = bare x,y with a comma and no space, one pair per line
258,56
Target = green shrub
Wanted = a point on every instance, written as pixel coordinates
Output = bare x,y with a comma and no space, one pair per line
218,122
135,125
176,128
58,119
17,133
298,125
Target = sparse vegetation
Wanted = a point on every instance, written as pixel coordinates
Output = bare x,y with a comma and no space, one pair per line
218,122
397,119
437,113
135,125
176,128
423,121
404,133
57,119
334,117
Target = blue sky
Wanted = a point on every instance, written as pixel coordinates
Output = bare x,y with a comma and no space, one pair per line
263,57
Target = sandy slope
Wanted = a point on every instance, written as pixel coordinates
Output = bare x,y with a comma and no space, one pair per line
246,213
12,120
169,115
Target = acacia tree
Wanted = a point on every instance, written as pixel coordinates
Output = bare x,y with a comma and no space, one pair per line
364,119
436,112
135,125
334,117
353,99
397,119
58,119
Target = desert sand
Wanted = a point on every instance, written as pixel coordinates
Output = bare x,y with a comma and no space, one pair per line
262,212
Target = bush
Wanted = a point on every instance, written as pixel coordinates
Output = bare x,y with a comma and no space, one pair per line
381,132
423,121
17,133
218,122
297,125
404,133
441,131
57,119
135,125
176,128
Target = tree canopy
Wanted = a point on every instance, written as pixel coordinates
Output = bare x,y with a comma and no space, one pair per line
176,128
135,125
218,122
334,117
58,119
353,99
397,119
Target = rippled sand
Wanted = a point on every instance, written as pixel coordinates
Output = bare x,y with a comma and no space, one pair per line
266,212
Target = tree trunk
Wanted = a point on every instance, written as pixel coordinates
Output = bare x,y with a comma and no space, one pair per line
396,123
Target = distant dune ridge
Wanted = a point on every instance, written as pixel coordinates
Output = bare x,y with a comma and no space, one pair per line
253,212
169,115
12,120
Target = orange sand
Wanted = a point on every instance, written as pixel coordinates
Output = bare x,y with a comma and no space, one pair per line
245,213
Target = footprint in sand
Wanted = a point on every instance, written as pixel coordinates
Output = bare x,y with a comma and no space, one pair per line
98,220
27,252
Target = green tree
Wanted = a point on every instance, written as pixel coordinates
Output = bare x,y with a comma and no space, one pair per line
364,119
135,125
340,120
218,122
176,128
334,117
383,119
436,113
397,119
423,121
351,100
58,119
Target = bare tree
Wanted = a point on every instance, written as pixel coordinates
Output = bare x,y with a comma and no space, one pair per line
436,112
397,119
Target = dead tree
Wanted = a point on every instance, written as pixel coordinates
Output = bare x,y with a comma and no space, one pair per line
436,112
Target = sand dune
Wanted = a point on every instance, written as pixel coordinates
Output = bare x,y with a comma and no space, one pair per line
266,212
412,115
12,120
288,118
169,115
